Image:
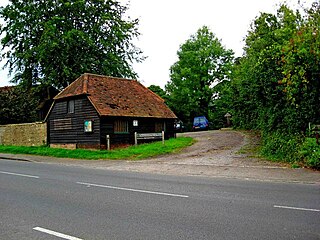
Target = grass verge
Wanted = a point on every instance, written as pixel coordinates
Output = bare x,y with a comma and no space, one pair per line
131,153
253,144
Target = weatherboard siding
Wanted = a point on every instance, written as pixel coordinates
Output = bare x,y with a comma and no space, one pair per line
145,125
68,128
72,132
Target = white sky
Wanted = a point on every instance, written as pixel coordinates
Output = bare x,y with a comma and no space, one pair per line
166,24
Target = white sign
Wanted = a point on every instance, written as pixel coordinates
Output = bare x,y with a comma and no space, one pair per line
135,123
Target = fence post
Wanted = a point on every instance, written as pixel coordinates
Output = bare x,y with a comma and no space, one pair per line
135,139
108,142
162,133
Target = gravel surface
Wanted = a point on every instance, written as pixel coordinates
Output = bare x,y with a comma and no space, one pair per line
216,154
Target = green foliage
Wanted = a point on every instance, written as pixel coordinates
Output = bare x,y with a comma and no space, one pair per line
275,85
203,62
220,105
278,146
159,91
54,42
293,149
133,153
18,105
310,152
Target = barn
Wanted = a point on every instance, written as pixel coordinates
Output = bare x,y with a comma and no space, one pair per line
94,106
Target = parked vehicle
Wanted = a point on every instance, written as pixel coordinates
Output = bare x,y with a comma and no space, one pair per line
200,123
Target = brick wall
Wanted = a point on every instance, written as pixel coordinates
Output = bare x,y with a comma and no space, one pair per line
27,134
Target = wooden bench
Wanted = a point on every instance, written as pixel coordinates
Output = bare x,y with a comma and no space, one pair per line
147,136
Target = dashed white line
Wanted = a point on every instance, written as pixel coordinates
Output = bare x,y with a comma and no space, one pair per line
133,190
19,174
297,208
57,234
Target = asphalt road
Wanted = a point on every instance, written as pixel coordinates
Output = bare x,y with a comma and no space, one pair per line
48,201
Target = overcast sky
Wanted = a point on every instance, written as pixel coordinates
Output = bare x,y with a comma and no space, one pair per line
166,24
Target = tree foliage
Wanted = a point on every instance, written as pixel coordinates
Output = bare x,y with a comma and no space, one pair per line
17,105
159,91
275,86
53,42
203,62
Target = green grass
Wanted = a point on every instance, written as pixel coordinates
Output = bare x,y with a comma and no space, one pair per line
253,145
132,153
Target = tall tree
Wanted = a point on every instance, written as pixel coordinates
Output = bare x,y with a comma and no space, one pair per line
276,84
203,62
55,41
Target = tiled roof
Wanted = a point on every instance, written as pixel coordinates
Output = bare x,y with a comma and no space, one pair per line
118,97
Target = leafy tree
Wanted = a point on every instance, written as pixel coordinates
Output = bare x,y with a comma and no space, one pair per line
276,86
53,42
203,62
21,105
17,105
220,104
301,69
159,91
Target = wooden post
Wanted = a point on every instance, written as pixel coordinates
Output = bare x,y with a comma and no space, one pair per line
108,142
135,139
162,137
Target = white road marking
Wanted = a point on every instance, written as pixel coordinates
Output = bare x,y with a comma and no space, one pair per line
57,234
133,190
297,208
19,174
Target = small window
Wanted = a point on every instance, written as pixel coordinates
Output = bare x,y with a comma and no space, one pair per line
71,106
121,126
160,126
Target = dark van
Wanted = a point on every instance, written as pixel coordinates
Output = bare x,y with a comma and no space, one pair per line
200,123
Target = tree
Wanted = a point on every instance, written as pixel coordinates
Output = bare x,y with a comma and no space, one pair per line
275,86
159,91
203,62
301,68
17,105
276,83
53,42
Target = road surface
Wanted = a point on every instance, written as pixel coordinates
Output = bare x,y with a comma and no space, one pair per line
50,201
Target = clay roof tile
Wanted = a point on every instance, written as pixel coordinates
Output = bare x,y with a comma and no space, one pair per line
118,97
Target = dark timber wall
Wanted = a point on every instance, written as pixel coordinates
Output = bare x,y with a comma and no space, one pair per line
68,128
145,125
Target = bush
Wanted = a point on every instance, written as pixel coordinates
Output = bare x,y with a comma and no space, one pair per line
278,146
293,149
310,153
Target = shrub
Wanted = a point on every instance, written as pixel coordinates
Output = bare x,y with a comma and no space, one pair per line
310,153
279,146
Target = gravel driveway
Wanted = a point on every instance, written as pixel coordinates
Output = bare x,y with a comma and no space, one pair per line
216,154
